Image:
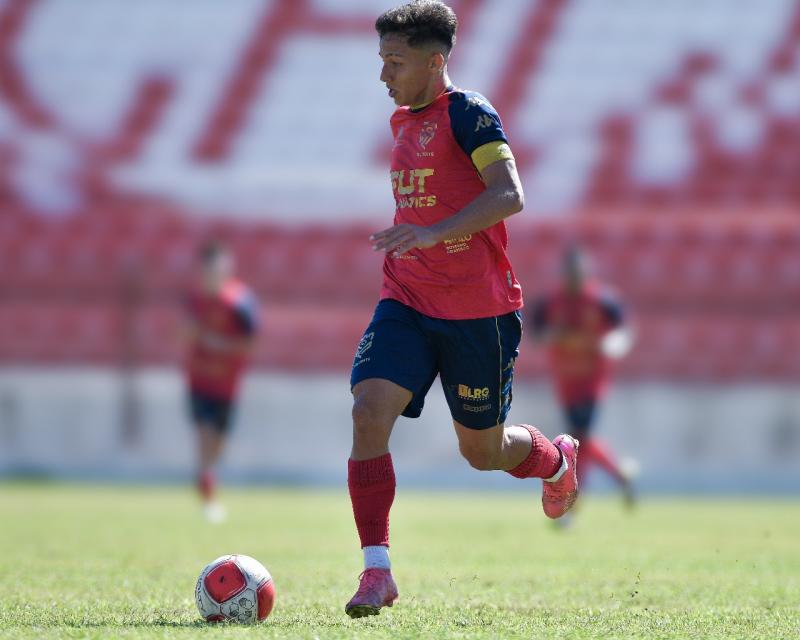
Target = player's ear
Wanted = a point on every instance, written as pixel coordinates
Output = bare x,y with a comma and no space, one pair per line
437,62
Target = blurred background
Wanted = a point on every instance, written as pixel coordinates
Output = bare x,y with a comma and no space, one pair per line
664,137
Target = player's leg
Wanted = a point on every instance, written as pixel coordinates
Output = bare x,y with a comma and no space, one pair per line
210,443
477,368
392,371
211,417
505,448
581,417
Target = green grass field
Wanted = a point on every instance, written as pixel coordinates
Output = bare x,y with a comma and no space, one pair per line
82,562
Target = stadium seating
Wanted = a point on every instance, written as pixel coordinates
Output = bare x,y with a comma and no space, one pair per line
132,132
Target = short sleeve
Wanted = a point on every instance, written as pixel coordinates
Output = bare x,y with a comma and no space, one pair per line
474,121
246,311
613,311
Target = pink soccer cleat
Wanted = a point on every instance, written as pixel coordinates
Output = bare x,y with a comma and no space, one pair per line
376,589
560,492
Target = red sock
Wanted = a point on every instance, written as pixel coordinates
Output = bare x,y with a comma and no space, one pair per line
372,484
206,484
543,461
598,452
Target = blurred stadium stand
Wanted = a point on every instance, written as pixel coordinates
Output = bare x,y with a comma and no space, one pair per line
131,132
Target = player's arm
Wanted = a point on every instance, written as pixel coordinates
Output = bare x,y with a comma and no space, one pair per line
241,344
502,198
619,338
192,331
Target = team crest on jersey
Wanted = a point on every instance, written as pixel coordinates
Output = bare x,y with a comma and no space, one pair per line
427,133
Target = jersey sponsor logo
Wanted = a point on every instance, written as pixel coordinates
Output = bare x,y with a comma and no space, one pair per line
483,122
409,185
405,182
468,393
427,133
415,202
457,245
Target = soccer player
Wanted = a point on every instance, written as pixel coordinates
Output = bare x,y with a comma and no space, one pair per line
583,325
221,325
450,301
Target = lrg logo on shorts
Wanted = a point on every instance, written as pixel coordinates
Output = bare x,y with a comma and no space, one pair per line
468,393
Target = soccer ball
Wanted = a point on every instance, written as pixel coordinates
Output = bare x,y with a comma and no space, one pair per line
236,588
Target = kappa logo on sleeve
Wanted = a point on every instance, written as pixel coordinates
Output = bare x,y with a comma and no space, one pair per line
484,122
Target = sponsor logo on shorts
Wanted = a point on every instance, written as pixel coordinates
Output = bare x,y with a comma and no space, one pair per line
476,408
363,347
468,393
365,344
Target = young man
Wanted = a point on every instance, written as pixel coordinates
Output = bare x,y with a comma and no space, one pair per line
221,323
583,325
450,302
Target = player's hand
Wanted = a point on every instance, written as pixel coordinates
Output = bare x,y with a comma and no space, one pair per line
403,237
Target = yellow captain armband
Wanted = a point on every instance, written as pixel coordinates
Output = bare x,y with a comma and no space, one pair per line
491,152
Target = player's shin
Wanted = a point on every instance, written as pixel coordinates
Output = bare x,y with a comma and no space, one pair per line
372,488
544,459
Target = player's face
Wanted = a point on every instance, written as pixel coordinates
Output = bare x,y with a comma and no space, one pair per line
574,272
217,271
407,72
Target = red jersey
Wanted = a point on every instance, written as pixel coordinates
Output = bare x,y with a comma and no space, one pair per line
231,314
578,322
433,177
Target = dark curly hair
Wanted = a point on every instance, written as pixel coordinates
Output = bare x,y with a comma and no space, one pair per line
422,22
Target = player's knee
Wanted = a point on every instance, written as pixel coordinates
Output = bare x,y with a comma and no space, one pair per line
482,459
368,419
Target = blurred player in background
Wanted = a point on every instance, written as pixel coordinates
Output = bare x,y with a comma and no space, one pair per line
450,302
583,325
222,318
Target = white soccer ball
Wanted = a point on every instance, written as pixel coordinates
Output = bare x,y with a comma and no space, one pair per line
236,588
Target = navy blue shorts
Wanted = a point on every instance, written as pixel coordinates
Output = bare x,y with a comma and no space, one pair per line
211,411
474,358
580,416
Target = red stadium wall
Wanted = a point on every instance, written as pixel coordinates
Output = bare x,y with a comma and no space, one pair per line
713,297
92,269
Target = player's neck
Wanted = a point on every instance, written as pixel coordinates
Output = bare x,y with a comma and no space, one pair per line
215,287
440,85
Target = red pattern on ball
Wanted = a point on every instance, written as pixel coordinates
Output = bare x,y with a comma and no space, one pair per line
266,599
225,581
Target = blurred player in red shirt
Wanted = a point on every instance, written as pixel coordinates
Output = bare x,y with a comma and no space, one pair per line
222,318
583,325
450,302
